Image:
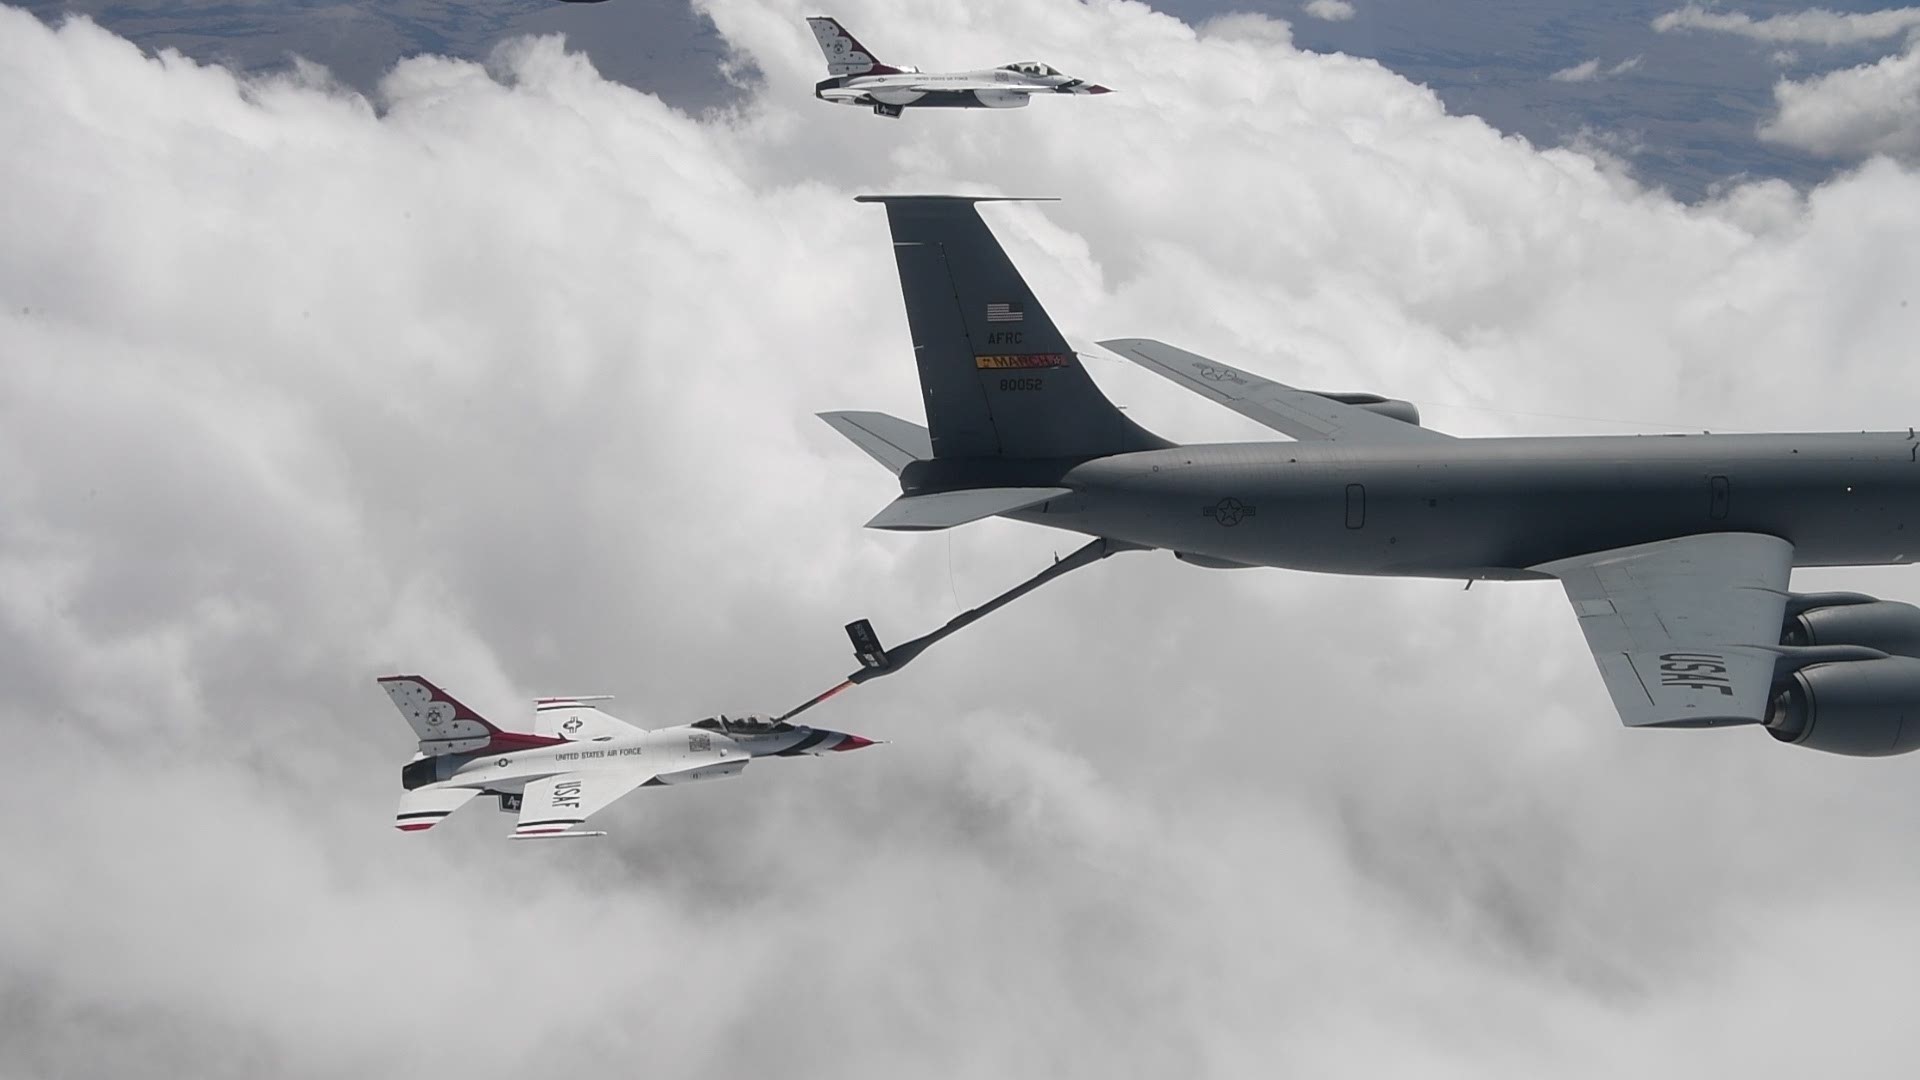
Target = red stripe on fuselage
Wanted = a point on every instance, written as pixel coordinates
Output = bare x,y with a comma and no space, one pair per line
515,740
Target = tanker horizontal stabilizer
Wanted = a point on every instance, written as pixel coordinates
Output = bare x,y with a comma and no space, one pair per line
889,440
923,513
1300,414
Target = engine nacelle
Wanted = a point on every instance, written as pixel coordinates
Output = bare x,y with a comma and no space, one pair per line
1002,99
1862,708
1404,411
1888,625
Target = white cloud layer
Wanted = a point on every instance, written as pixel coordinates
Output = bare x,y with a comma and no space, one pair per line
1870,109
1590,70
1330,10
507,377
1815,26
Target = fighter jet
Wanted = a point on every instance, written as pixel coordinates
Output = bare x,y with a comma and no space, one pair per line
1675,551
575,762
859,79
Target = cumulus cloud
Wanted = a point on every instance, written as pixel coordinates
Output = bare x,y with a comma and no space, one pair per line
505,375
1815,26
1590,70
1870,109
1330,10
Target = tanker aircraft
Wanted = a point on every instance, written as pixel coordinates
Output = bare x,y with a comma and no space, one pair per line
859,79
1674,550
575,762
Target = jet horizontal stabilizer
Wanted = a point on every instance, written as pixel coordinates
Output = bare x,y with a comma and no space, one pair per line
889,440
919,513
554,835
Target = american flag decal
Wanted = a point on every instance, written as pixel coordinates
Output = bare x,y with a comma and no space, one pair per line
1011,311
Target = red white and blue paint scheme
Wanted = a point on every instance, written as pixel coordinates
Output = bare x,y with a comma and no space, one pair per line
857,78
575,762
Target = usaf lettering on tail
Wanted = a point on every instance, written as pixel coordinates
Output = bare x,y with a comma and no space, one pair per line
1675,552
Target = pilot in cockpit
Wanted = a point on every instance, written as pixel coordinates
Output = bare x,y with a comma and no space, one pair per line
751,724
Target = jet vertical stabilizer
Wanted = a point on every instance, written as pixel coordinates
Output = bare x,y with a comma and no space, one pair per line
447,727
845,55
998,378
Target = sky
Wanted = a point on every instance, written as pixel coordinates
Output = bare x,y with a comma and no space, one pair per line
503,373
1688,97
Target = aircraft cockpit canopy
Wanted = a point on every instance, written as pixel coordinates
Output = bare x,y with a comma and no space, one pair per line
1029,67
743,725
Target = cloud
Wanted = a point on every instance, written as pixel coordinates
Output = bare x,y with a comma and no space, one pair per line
505,375
1870,109
1584,71
1330,10
1815,26
1590,70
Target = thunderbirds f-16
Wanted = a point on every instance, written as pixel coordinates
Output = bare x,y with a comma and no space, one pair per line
857,78
1675,551
575,762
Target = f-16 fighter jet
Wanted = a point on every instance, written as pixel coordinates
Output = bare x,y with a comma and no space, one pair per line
1675,552
859,79
575,762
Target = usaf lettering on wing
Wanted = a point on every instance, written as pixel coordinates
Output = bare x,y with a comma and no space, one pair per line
1695,671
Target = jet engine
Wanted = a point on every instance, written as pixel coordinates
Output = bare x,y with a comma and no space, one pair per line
1404,411
1887,625
1002,99
1862,708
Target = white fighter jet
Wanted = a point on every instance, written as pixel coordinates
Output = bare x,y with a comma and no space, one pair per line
859,79
575,762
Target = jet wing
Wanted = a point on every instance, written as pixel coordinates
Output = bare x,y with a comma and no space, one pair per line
1684,630
1298,413
554,804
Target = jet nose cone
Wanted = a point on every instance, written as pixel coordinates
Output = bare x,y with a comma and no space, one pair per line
852,742
1096,88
